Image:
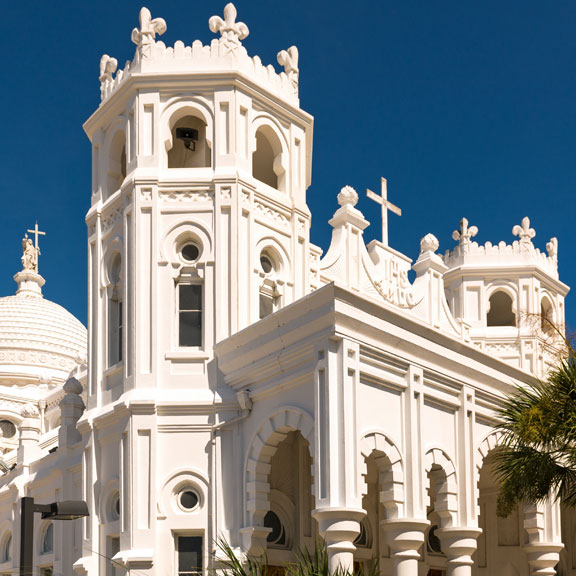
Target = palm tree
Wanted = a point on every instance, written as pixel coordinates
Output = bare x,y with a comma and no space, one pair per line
537,458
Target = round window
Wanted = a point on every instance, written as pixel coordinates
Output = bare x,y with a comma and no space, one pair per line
266,263
190,252
189,499
7,429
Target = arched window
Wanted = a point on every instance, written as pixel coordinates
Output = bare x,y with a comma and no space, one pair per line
190,148
116,164
546,316
267,158
47,542
270,267
190,294
7,549
500,311
115,312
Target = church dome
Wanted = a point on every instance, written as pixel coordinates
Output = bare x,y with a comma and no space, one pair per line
40,341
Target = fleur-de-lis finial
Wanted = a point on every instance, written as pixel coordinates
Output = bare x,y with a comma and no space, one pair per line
289,59
148,28
552,248
108,66
524,232
231,32
466,232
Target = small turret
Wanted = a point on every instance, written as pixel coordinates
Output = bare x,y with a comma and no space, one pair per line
507,295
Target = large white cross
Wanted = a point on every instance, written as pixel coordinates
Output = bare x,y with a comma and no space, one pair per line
36,233
383,201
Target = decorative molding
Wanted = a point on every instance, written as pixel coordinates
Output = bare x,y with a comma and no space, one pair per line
171,196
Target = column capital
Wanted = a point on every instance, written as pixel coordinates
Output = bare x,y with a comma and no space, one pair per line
543,557
458,544
405,535
339,527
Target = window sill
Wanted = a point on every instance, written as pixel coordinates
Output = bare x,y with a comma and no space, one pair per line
184,355
114,369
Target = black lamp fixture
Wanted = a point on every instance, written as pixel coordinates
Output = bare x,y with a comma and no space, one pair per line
189,137
67,510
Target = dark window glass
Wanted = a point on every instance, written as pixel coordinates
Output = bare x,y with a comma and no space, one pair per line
189,555
190,315
115,332
278,534
189,499
190,252
266,305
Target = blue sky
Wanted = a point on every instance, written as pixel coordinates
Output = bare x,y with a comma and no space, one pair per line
467,108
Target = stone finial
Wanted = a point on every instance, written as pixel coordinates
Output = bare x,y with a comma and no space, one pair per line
289,59
429,244
231,32
73,386
108,66
524,232
465,233
148,28
348,195
552,248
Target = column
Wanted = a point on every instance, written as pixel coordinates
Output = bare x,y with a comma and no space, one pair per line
458,544
339,527
542,524
405,537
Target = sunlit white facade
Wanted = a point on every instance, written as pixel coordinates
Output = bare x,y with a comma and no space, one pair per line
238,383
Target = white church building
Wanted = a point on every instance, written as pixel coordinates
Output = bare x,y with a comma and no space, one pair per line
235,381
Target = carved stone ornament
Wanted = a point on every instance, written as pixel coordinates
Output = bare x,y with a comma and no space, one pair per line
108,66
348,195
552,248
29,255
231,32
524,232
144,37
289,59
465,233
429,243
29,411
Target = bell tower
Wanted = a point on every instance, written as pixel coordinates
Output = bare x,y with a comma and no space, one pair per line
198,225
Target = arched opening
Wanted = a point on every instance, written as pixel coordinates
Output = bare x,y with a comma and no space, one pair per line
500,311
546,316
6,554
47,541
116,164
500,543
267,158
115,311
270,294
190,148
289,518
434,555
370,543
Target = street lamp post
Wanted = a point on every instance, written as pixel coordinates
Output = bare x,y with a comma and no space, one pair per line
67,510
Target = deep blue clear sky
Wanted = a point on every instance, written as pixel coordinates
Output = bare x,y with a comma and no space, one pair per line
468,108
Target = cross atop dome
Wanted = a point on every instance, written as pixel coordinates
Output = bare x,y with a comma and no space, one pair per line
31,250
29,281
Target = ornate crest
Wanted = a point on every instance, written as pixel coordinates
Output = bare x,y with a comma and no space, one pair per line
231,32
465,233
144,37
524,232
289,59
